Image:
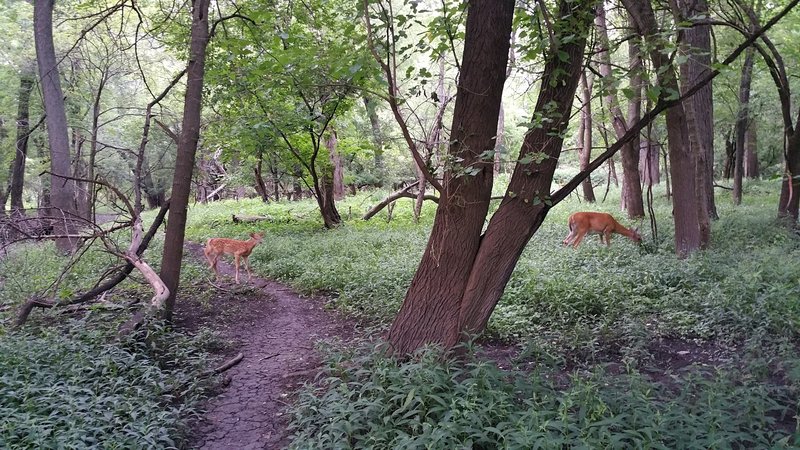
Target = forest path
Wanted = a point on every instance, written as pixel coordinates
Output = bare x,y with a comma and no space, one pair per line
275,329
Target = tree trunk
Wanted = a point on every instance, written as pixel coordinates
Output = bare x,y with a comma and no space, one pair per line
751,151
325,188
526,202
261,187
93,143
336,162
630,154
61,191
631,184
184,163
79,170
682,163
431,309
790,189
26,82
377,136
585,136
699,108
741,124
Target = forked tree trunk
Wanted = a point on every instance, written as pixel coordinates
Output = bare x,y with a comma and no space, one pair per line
26,82
463,274
61,192
585,136
682,163
431,309
187,148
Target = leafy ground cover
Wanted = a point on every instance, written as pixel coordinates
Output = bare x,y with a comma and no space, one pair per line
68,381
707,344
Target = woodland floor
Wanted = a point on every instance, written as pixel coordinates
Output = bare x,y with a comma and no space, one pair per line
276,330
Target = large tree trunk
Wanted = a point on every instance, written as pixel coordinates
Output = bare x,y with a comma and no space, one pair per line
631,184
699,110
585,136
184,163
26,82
682,163
741,124
431,309
61,191
526,201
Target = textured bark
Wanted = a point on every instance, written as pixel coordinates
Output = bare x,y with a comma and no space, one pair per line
790,189
331,143
525,204
585,136
26,82
682,163
61,192
430,311
325,188
696,45
631,184
187,148
742,120
261,187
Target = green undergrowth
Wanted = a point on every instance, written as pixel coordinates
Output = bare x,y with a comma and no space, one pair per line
562,299
76,386
370,401
68,381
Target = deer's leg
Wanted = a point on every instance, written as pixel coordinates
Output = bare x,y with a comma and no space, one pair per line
569,238
213,262
607,234
236,262
246,261
578,239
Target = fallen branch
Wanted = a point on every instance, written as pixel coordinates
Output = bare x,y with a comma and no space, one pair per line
249,219
26,309
207,373
402,193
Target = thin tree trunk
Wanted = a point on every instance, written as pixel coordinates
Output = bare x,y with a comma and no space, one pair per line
187,148
336,162
261,187
26,82
741,123
631,184
377,136
790,189
93,143
61,191
585,135
751,169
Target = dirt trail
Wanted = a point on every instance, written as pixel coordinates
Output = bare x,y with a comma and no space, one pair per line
276,331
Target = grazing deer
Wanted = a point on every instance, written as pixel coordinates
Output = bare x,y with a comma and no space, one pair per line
603,224
239,249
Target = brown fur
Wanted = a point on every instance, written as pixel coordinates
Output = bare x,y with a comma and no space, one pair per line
581,223
215,247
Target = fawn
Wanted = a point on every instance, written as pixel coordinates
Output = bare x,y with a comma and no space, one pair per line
239,249
581,223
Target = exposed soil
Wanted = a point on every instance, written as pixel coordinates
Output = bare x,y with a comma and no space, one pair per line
276,330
